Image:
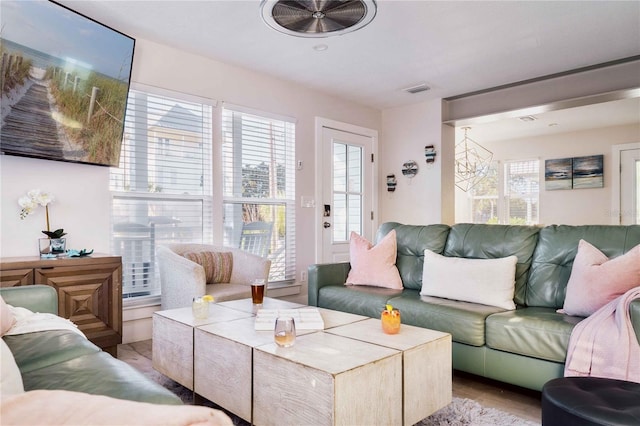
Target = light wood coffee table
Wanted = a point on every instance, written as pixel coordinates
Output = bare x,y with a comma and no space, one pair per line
224,354
173,338
173,334
325,379
349,373
426,364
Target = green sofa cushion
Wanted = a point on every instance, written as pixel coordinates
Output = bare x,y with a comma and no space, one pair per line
63,359
463,320
477,241
534,332
556,249
356,299
36,298
100,374
412,241
42,349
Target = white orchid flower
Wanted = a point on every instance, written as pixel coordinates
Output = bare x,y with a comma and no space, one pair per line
27,202
40,197
33,199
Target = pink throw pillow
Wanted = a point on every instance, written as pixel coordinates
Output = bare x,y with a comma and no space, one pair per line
595,280
7,320
374,265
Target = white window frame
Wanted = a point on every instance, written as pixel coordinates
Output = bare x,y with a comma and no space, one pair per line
205,198
505,214
283,259
502,199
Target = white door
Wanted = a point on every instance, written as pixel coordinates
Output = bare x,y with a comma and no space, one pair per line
347,202
630,186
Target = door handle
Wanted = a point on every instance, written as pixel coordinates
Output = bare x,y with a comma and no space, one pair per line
326,225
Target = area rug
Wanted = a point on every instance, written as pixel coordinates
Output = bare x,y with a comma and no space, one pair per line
464,411
461,411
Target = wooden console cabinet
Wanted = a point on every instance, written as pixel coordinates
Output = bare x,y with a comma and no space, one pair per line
89,291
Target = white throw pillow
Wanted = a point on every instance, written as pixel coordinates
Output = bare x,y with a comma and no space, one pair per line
485,281
10,377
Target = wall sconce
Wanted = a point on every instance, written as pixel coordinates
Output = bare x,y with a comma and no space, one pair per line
409,168
430,154
391,183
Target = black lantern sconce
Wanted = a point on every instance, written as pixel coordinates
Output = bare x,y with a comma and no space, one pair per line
391,183
430,154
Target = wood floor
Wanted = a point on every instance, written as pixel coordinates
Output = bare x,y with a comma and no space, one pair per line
515,400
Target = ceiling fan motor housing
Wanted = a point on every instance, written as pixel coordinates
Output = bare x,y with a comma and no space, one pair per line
316,18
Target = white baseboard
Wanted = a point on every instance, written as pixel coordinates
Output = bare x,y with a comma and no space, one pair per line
281,290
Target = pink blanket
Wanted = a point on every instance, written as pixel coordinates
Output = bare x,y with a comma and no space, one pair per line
604,344
59,407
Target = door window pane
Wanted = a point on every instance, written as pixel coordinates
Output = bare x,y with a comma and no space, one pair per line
347,191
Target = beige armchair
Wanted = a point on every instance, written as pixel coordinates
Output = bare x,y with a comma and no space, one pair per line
181,279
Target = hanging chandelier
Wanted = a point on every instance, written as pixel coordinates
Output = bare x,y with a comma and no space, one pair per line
472,162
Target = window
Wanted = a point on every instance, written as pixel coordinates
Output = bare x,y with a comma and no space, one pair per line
517,185
484,197
258,168
161,193
521,192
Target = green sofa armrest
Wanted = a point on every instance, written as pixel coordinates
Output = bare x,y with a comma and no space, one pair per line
634,310
36,298
325,274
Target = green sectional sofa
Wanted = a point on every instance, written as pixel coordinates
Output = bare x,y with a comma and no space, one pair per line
64,360
527,346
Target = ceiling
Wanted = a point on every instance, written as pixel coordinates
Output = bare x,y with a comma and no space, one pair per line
454,47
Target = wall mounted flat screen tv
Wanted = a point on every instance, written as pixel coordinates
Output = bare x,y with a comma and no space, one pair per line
65,84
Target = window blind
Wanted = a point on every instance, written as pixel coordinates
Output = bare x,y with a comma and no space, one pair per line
258,165
161,192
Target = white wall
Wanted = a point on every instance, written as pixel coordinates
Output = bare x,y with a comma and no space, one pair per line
405,132
569,207
82,192
82,198
201,76
81,204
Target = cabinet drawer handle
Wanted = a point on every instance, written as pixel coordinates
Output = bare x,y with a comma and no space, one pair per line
47,267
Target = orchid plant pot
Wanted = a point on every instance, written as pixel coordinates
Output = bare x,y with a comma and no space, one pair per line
52,246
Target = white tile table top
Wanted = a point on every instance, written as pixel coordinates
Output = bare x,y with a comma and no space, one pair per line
370,330
329,353
305,318
217,313
337,318
241,331
246,305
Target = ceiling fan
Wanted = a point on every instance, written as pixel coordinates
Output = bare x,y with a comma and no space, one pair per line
317,18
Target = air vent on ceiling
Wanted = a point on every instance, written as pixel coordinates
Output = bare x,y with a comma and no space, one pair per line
306,18
422,87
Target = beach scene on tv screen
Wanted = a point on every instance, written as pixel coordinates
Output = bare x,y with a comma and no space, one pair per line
65,84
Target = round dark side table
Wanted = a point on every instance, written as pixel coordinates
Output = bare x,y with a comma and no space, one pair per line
585,401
